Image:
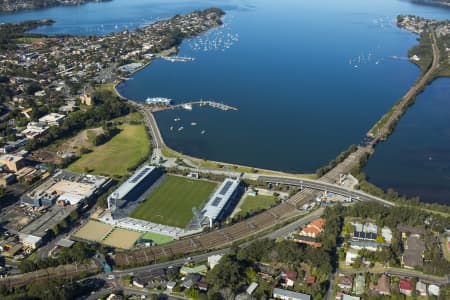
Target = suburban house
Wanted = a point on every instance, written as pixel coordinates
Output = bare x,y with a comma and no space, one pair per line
200,269
310,279
405,287
359,284
383,286
386,233
314,228
406,229
309,234
267,272
289,295
367,232
421,288
213,260
413,254
350,256
190,280
345,282
288,278
349,297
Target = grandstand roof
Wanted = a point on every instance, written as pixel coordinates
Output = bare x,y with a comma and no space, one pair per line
133,181
220,198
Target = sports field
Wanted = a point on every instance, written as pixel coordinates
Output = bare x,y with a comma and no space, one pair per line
159,239
123,151
253,203
122,238
172,201
93,231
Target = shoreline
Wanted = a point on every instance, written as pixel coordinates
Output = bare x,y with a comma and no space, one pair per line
168,152
387,120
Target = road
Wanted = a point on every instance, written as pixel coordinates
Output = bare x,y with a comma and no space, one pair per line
430,279
323,186
281,232
413,91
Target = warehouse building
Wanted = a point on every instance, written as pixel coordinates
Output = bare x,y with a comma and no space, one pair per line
222,201
66,188
134,187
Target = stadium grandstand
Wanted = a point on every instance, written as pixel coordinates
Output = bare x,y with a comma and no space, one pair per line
134,187
222,201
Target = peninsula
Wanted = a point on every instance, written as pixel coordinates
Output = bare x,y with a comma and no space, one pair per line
445,3
119,212
16,5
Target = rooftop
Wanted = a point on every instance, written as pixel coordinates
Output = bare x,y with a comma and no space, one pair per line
290,294
133,181
220,198
10,158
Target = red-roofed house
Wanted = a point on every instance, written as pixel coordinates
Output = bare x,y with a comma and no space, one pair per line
288,278
314,228
311,279
405,287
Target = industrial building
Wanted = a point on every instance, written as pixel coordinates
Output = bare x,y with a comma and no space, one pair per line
30,241
13,162
66,188
134,187
222,201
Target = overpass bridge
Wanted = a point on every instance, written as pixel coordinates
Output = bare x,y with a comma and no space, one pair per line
324,186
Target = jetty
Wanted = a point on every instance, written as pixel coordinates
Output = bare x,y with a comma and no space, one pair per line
188,105
177,58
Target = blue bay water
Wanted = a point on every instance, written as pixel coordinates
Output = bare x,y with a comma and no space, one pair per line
415,160
309,77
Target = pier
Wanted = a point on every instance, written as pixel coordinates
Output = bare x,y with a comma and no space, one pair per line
177,58
188,105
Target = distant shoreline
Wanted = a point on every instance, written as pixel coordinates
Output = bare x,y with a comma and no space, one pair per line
11,6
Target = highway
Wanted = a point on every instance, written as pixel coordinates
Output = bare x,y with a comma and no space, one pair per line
323,186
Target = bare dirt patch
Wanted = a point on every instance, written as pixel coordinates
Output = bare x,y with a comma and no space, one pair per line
122,238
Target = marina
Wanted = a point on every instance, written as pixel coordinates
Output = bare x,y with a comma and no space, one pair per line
188,106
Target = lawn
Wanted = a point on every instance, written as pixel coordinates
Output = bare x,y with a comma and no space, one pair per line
125,150
172,201
159,239
253,203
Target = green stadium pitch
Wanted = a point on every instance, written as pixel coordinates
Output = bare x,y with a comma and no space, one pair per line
172,201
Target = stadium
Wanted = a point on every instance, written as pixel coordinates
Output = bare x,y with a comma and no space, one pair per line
152,208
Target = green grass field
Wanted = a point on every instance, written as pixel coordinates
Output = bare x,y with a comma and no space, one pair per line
159,239
172,201
123,151
252,203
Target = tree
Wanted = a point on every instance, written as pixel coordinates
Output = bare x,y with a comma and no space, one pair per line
191,292
380,239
